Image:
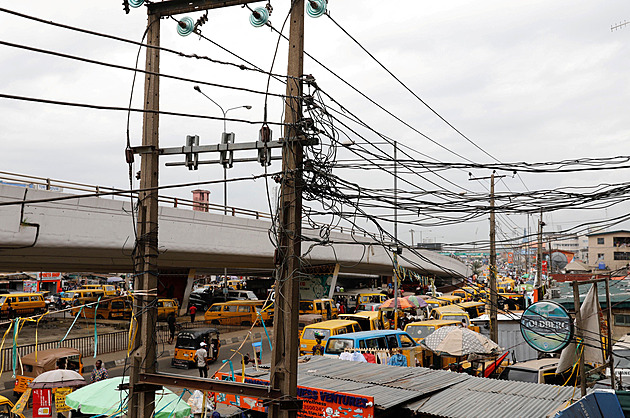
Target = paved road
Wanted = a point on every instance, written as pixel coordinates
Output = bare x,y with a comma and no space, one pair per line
164,365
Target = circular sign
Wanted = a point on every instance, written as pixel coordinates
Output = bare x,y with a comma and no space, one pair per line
547,326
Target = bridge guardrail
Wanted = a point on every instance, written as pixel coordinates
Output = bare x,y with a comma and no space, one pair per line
44,183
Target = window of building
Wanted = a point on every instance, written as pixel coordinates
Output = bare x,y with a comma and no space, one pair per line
622,256
621,241
600,241
622,320
600,256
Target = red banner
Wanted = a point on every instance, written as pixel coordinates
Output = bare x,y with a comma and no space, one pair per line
510,258
42,403
317,403
544,267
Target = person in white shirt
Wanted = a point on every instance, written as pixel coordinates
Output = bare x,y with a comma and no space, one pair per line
201,355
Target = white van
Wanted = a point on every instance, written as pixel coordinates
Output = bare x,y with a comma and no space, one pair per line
242,294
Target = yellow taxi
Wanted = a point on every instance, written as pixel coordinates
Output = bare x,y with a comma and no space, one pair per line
325,329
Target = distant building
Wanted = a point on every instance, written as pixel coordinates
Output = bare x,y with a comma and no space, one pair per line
201,199
582,252
609,250
564,241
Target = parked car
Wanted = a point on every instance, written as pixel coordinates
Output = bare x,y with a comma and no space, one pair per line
203,298
534,371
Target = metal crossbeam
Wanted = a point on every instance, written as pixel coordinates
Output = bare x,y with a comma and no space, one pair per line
174,7
236,160
210,385
241,146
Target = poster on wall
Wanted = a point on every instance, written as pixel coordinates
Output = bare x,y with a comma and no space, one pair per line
30,286
319,282
317,403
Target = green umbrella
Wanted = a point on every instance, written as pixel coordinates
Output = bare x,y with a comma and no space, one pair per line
103,397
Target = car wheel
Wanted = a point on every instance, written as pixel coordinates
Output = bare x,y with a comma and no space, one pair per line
215,322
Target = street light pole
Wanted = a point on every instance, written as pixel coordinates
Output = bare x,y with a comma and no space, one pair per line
411,231
225,194
224,131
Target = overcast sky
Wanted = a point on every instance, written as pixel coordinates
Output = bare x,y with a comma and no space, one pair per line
526,81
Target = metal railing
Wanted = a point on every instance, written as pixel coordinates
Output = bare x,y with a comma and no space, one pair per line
107,343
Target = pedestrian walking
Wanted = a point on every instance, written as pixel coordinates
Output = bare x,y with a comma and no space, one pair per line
171,327
99,372
192,311
201,355
318,349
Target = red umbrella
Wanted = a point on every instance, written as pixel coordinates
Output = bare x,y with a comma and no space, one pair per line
402,304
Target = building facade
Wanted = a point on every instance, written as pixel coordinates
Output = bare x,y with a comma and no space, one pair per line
610,250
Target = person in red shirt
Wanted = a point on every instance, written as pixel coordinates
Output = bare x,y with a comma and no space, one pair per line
192,311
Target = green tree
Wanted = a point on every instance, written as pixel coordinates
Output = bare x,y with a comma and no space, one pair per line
476,267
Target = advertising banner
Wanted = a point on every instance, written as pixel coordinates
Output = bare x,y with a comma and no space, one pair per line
60,399
42,403
317,403
21,403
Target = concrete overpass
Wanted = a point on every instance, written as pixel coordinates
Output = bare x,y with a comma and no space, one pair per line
97,234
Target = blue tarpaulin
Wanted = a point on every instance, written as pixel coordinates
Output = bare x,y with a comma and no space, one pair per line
599,404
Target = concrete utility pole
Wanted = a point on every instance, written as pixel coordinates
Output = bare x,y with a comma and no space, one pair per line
539,254
145,284
527,248
397,248
142,397
494,331
285,348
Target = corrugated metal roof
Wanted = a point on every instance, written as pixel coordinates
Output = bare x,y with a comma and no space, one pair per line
389,385
478,397
432,392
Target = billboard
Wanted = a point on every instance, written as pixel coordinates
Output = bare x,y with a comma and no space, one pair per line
318,282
